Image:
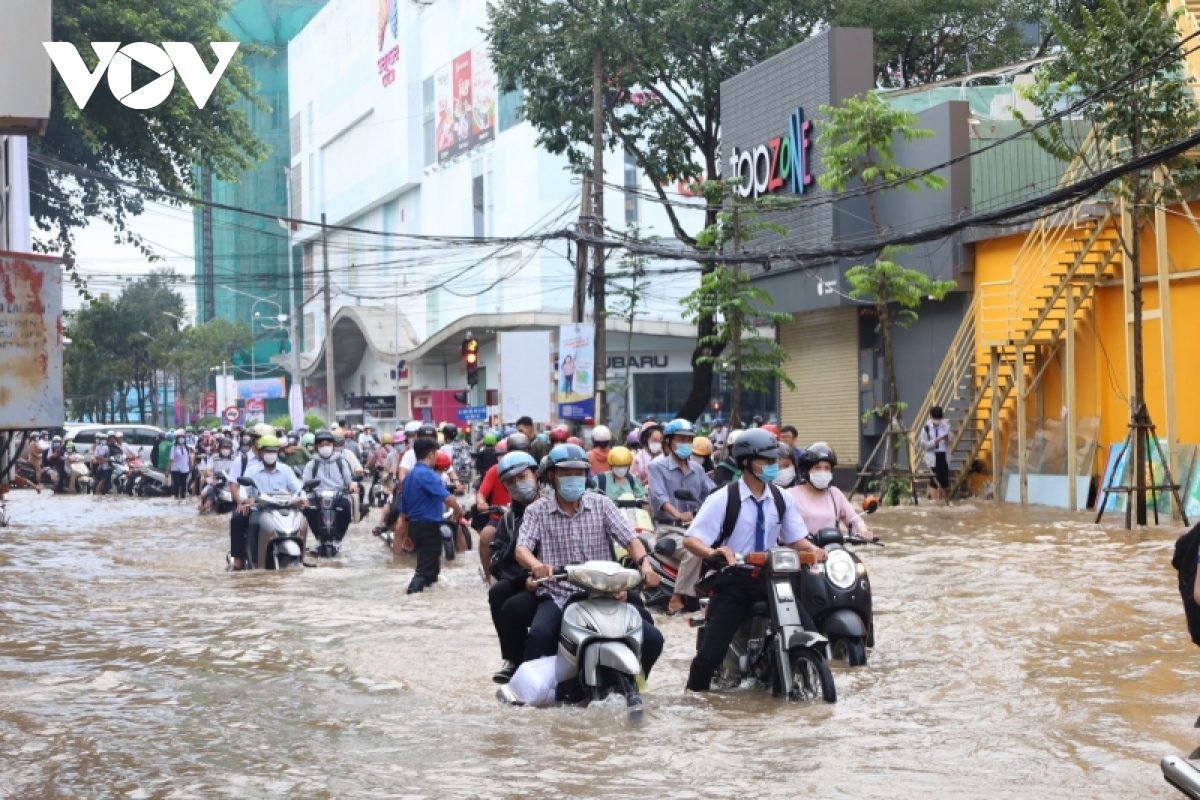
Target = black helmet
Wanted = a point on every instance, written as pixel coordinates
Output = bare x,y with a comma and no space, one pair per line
450,432
570,456
427,430
224,441
819,451
754,443
323,435
339,439
517,442
543,470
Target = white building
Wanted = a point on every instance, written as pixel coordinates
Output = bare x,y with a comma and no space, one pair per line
397,127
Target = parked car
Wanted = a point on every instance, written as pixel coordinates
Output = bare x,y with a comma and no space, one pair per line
139,437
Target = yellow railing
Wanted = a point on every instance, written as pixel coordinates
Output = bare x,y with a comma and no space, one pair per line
1187,25
996,312
958,363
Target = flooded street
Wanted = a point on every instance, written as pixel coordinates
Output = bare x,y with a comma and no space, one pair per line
1018,655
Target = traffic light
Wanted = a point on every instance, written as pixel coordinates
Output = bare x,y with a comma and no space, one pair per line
470,353
461,397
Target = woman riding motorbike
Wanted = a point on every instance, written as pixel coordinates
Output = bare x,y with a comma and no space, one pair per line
618,481
821,504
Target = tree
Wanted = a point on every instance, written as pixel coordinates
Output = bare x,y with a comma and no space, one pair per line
857,144
1147,104
628,290
161,146
664,63
919,41
196,350
736,304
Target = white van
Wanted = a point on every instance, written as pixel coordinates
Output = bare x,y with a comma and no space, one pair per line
139,437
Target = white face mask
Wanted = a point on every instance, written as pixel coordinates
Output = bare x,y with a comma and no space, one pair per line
698,460
325,450
270,458
620,472
785,476
226,452
820,480
654,447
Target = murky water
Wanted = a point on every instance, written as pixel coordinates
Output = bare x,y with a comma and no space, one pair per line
1020,654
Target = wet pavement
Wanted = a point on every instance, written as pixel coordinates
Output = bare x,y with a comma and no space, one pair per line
1019,654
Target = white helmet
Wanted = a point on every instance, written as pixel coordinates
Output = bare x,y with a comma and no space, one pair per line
411,428
601,433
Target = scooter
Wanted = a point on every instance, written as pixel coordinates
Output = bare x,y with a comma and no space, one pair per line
149,482
329,544
378,493
278,530
456,536
772,647
600,642
120,473
224,499
1182,774
837,595
80,478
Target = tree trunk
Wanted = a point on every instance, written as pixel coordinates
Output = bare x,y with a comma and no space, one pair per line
702,371
735,407
889,370
1137,401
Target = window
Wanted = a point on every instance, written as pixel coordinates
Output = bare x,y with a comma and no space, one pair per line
631,185
510,109
85,437
477,205
427,106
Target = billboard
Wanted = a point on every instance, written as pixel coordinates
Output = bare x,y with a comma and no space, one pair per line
464,93
262,389
526,376
576,383
31,342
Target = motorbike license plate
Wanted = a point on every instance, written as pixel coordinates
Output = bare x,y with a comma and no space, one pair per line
783,590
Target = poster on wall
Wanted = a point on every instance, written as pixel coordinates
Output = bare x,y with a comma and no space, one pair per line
443,98
1117,464
576,357
461,70
31,342
1119,461
483,97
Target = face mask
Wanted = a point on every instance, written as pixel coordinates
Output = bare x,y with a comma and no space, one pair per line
523,491
820,480
270,458
683,451
654,447
543,437
245,447
785,477
226,452
769,473
571,488
325,451
620,472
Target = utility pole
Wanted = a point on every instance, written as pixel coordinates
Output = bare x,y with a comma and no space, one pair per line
585,211
600,368
330,378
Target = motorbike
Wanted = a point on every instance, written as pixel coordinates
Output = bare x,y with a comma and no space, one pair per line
772,647
80,478
120,473
329,544
600,642
456,536
3,515
837,595
378,494
277,540
149,482
223,503
1182,774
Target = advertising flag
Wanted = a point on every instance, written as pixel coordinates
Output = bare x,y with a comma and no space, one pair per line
576,382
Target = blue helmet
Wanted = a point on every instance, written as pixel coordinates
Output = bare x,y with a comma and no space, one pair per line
514,464
170,435
570,456
510,430
679,426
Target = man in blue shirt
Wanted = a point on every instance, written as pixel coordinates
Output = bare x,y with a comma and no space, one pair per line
421,505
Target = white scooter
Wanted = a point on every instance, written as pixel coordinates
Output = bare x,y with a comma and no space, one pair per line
80,480
278,540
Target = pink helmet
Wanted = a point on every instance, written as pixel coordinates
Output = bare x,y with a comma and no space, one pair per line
632,439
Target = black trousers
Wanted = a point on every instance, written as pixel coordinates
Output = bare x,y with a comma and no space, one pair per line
732,601
341,518
427,543
239,527
941,470
179,484
513,607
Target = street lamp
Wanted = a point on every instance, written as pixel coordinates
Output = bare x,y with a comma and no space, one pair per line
254,343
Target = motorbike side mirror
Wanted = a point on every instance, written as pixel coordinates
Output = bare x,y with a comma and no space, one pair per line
310,485
685,494
244,481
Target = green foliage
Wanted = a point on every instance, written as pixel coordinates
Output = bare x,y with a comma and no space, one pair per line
210,423
1149,112
920,41
311,421
885,281
195,351
159,146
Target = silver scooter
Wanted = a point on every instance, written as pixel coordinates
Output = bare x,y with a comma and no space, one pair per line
1182,774
600,641
278,539
772,647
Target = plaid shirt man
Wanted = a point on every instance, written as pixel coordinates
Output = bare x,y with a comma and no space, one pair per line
560,539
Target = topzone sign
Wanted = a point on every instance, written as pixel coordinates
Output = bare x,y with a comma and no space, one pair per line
781,163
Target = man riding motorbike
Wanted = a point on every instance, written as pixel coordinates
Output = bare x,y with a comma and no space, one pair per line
668,475
758,526
335,475
245,463
570,527
270,477
216,464
101,465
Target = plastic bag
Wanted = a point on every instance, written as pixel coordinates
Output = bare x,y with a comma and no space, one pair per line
535,681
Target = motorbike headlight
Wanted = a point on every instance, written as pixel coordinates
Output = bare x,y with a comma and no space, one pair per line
784,560
839,566
608,583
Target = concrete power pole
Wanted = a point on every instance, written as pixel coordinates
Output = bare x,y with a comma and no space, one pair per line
600,368
330,376
578,299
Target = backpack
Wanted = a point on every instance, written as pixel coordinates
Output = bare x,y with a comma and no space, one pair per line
1187,548
733,509
729,467
503,548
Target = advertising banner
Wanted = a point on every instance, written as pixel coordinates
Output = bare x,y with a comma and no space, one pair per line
31,342
462,104
255,409
443,99
262,389
526,377
296,405
483,97
576,356
314,397
208,404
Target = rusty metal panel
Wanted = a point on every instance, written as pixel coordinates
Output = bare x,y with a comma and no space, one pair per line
31,342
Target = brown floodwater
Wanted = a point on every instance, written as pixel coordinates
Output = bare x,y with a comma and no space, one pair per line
1019,654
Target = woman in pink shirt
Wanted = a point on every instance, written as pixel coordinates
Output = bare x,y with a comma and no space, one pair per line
821,504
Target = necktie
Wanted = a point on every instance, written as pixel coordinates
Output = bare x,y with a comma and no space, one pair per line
760,528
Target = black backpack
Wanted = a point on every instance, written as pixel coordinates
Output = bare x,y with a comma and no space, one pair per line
1187,547
733,509
503,548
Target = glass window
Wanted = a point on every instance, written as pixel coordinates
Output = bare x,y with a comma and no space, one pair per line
85,437
510,109
477,204
661,394
427,106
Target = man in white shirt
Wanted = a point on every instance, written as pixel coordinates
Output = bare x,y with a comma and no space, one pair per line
759,526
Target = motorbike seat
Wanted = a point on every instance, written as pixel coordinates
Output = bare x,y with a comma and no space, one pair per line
760,609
